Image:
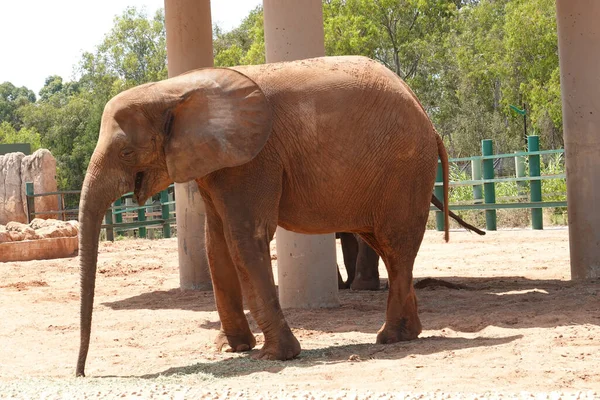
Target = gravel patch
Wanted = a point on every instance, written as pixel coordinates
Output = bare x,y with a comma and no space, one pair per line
143,389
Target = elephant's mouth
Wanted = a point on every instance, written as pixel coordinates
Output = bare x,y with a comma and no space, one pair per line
139,177
139,180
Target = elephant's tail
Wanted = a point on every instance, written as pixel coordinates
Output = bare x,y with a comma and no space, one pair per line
444,158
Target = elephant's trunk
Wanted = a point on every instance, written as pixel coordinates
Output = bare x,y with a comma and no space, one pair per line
96,196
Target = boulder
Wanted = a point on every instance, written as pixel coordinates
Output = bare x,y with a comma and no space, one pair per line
16,236
38,223
59,229
4,235
42,239
11,201
28,233
38,229
40,168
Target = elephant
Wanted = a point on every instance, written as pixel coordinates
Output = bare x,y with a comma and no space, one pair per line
362,262
280,144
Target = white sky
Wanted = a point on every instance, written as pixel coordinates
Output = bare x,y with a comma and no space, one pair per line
39,38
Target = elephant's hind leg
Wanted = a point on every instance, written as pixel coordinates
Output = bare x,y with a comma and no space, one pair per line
398,247
235,333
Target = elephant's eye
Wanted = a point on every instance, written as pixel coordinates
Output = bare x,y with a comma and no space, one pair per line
126,153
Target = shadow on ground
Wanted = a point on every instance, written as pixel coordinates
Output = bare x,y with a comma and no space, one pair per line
511,302
167,300
246,365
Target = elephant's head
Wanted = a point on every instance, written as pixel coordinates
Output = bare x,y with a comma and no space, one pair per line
152,135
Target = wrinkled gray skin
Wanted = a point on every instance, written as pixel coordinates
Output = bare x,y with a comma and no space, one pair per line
277,144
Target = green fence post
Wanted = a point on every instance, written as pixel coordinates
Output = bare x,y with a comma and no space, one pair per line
30,201
61,212
119,212
520,173
489,189
476,174
537,219
164,208
108,220
142,217
439,193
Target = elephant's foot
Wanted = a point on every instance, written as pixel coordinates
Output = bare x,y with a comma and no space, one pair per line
283,348
343,285
235,343
365,284
401,332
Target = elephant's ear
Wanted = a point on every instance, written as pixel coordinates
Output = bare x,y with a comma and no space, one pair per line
220,119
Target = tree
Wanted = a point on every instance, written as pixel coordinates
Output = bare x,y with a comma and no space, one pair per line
8,134
132,53
349,29
11,98
531,58
55,90
243,45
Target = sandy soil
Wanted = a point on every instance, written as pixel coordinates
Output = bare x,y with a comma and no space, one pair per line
520,325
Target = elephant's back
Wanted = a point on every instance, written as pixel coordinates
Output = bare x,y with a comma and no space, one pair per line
333,93
303,79
347,131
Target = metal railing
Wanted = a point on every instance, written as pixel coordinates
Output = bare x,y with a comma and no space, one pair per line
124,214
484,183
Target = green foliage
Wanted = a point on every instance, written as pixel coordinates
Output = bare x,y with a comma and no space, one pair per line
349,29
460,194
554,189
244,45
531,60
132,53
9,135
11,98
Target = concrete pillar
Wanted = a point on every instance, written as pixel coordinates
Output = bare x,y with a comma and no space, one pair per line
579,51
189,46
307,269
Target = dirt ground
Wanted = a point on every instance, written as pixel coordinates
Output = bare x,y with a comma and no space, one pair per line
519,325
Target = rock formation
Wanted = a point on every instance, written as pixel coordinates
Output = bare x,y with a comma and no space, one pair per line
11,204
15,170
38,229
40,168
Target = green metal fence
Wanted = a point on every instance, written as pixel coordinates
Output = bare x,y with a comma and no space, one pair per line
125,215
484,182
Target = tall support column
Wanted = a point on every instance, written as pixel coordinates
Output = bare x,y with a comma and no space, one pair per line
307,269
189,46
579,51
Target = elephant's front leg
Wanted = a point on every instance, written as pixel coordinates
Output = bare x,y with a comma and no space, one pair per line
249,246
235,332
350,252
